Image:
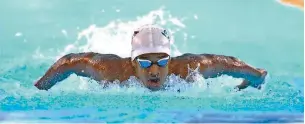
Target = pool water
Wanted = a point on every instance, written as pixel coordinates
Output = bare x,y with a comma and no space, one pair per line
265,34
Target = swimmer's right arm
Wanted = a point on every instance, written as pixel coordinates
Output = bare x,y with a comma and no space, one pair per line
92,65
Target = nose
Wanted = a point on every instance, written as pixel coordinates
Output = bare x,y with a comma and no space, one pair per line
154,75
154,71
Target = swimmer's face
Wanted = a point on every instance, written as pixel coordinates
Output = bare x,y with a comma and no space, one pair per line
152,75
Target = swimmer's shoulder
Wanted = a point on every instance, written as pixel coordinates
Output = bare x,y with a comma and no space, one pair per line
192,56
93,56
205,58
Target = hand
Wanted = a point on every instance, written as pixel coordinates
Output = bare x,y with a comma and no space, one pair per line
257,84
40,86
261,80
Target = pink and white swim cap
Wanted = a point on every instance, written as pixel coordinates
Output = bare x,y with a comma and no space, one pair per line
150,39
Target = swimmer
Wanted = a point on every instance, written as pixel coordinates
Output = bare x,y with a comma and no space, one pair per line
151,64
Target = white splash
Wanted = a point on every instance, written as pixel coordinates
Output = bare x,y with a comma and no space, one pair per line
115,37
195,17
177,22
184,36
64,32
38,54
18,34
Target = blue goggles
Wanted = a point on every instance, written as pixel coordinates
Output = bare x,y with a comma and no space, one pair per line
147,63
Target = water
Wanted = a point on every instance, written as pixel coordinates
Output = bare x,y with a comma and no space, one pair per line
263,33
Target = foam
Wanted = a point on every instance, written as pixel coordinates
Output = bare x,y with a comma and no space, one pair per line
115,37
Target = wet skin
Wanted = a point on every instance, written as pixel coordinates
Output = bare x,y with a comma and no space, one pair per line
110,67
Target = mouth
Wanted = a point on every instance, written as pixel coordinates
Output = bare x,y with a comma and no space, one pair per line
154,82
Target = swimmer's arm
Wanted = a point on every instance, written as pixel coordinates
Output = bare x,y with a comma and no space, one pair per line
211,66
92,65
218,65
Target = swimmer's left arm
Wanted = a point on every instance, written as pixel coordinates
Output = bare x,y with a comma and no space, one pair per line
218,65
211,66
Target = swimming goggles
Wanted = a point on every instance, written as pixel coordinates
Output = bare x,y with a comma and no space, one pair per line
147,63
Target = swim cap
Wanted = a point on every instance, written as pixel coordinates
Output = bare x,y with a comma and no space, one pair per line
150,39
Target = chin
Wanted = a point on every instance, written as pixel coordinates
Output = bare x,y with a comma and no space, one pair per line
154,86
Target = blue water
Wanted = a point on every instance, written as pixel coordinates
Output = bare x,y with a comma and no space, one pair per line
263,33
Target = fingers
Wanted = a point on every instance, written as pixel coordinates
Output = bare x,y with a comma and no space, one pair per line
243,85
39,86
